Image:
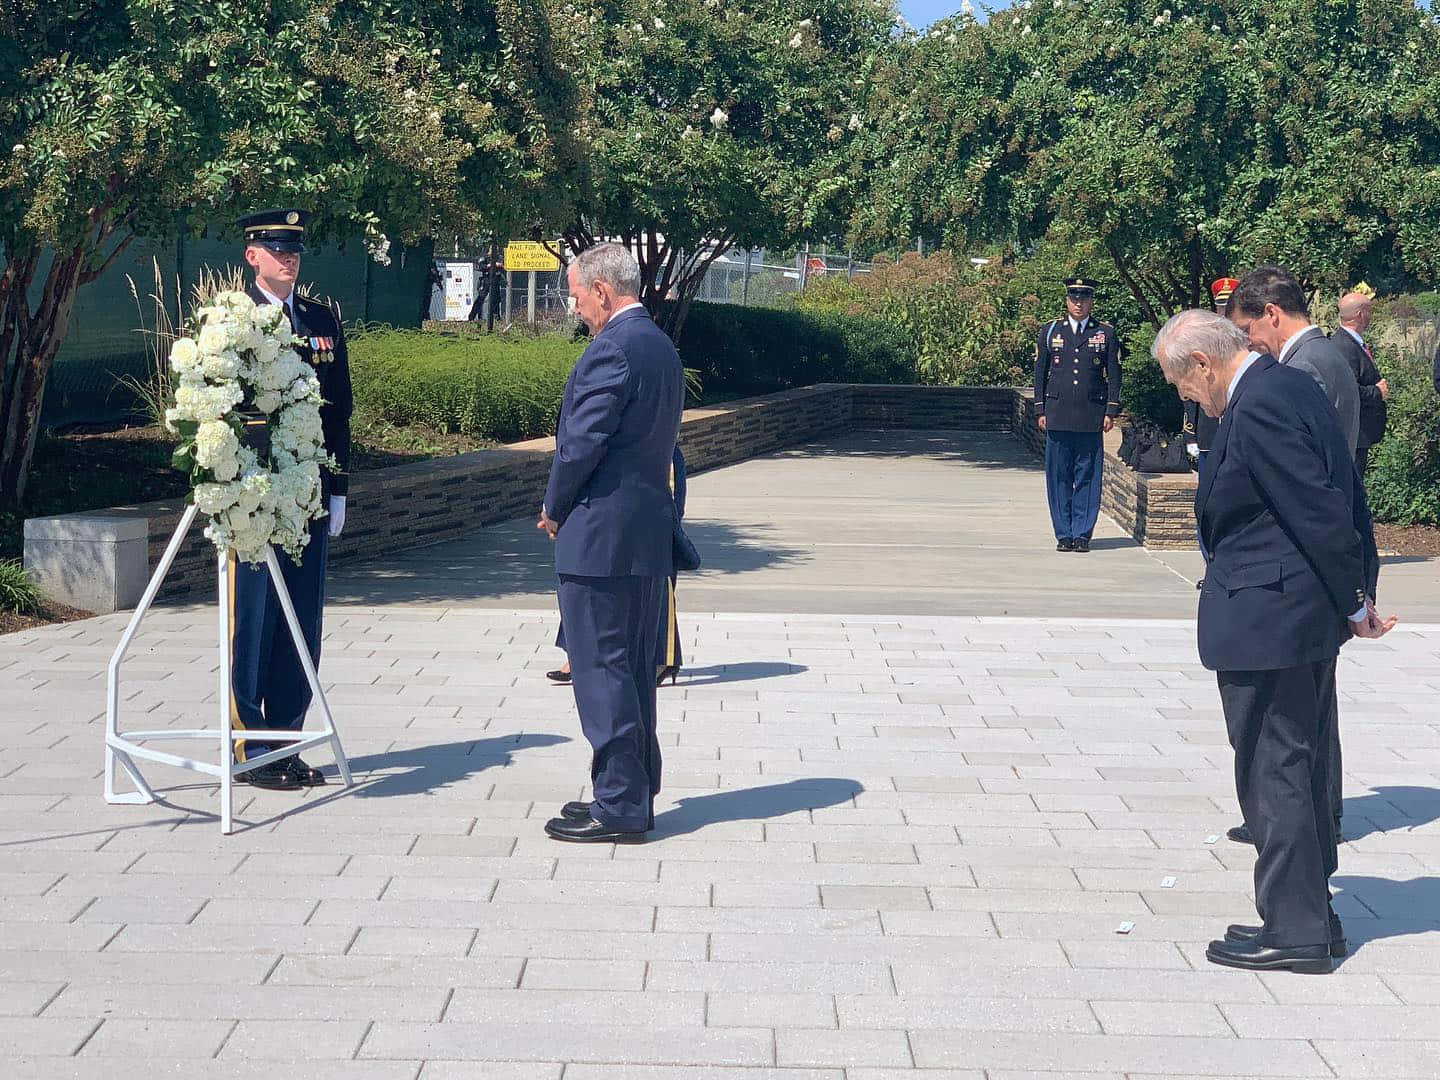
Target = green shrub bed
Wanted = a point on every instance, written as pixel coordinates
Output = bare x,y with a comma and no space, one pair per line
747,350
509,388
501,388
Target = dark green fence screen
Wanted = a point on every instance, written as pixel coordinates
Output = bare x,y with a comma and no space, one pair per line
105,342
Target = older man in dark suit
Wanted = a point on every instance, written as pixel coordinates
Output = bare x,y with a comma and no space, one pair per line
609,510
1269,305
1290,572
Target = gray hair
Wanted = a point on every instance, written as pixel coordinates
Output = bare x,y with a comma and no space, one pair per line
1196,331
611,264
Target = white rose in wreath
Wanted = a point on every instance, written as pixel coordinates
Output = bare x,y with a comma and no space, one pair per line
214,339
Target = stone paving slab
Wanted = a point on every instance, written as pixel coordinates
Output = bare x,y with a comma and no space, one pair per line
898,831
845,882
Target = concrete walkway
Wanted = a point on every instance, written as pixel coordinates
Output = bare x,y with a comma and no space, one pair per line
890,845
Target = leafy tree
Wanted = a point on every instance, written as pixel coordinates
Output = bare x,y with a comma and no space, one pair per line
1187,141
718,123
120,118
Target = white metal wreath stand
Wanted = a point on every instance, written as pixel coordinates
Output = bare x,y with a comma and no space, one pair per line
124,748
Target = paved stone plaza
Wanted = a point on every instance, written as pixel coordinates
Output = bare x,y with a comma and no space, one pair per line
920,768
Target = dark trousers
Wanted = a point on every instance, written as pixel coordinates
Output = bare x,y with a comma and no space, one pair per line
667,640
1279,724
1073,461
268,685
610,639
1362,459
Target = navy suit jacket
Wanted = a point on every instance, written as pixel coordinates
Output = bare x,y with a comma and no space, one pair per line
610,481
1285,525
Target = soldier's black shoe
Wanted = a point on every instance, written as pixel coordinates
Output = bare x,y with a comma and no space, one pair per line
305,775
591,831
1082,543
1307,959
1241,834
277,776
559,676
1338,945
1065,545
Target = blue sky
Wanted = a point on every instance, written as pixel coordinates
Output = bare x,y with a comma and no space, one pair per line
924,12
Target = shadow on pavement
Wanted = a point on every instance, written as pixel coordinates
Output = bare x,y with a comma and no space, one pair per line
428,768
726,673
1390,809
1113,543
514,559
754,804
982,449
1402,908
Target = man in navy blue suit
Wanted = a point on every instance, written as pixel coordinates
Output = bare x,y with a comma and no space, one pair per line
609,510
1290,576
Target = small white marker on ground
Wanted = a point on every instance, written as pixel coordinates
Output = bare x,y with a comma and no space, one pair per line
1167,883
1125,927
1212,838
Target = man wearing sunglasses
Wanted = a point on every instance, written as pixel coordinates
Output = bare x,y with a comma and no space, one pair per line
1077,397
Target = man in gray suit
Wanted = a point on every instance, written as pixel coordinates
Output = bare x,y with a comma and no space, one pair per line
1269,305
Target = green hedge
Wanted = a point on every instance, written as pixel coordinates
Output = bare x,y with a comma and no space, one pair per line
1144,393
508,388
748,350
502,388
1403,480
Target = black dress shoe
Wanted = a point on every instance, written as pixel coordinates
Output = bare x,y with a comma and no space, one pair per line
1082,543
590,831
1065,545
305,775
1252,956
1338,945
1241,834
558,677
579,811
276,776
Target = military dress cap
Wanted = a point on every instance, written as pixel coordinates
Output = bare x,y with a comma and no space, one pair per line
1221,288
278,230
1082,285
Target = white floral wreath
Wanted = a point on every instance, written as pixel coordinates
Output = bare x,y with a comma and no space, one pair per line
237,358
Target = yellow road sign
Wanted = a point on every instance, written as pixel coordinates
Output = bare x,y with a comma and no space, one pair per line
522,255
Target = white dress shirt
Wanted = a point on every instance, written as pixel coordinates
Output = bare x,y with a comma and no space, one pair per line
622,310
1078,327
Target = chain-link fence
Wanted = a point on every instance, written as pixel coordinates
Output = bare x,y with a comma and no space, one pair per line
757,278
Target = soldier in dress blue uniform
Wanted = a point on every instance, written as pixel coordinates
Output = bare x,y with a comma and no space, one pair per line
268,685
1077,397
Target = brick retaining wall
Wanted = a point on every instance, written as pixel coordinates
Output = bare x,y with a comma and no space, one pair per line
430,501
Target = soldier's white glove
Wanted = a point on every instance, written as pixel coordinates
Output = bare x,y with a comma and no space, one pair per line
337,515
1193,449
